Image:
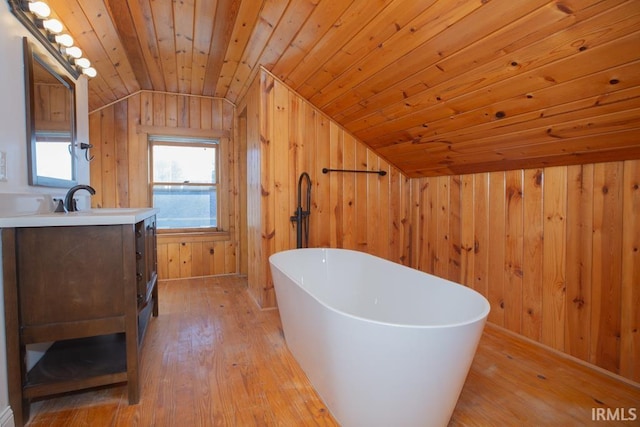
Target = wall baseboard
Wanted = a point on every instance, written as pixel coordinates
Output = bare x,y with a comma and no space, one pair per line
6,418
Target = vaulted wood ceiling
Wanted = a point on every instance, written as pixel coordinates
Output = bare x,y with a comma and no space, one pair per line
435,87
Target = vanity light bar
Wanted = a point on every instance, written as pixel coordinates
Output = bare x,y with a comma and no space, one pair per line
36,17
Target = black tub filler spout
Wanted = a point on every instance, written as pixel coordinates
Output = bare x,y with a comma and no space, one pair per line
301,215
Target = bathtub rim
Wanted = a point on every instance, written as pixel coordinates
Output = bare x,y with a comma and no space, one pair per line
472,320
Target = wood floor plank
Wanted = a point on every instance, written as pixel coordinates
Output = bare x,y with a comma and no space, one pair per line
213,358
518,382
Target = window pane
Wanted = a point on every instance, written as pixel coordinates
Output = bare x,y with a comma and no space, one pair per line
184,164
185,206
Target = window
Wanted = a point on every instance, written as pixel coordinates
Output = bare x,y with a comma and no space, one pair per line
185,182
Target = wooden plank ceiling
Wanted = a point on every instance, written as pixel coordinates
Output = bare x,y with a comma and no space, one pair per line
435,87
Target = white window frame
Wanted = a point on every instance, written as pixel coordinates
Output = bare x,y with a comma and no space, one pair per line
186,141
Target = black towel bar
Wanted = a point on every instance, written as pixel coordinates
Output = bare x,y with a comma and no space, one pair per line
380,172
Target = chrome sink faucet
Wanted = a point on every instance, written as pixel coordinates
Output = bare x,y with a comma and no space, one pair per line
70,202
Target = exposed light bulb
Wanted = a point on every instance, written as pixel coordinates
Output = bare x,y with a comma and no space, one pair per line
40,9
64,39
90,71
83,62
74,52
53,25
51,29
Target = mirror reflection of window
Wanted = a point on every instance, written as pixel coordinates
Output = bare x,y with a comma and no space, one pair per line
53,155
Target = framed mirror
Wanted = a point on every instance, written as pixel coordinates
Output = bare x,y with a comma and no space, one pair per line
51,123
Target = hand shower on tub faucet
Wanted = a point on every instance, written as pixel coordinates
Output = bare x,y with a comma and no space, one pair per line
301,216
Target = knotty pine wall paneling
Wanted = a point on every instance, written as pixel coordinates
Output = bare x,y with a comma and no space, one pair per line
555,250
287,136
257,270
120,172
630,284
51,111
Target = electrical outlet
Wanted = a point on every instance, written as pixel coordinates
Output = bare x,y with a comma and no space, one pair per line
3,166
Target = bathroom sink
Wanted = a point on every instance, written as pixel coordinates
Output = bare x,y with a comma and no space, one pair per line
97,216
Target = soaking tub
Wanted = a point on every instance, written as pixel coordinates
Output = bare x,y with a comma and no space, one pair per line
382,344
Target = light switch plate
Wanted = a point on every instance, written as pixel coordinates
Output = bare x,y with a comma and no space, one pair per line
3,166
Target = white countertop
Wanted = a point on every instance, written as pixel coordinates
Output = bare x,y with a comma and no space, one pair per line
100,216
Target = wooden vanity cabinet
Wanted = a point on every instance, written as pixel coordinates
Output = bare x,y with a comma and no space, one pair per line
88,289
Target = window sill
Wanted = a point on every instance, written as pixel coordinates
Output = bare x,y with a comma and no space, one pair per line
179,236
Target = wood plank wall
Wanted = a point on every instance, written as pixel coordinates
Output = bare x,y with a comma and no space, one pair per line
555,250
120,170
286,136
52,111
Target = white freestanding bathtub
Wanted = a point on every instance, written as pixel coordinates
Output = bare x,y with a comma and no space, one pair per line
383,344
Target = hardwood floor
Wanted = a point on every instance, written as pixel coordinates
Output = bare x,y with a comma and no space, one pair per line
212,358
515,382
